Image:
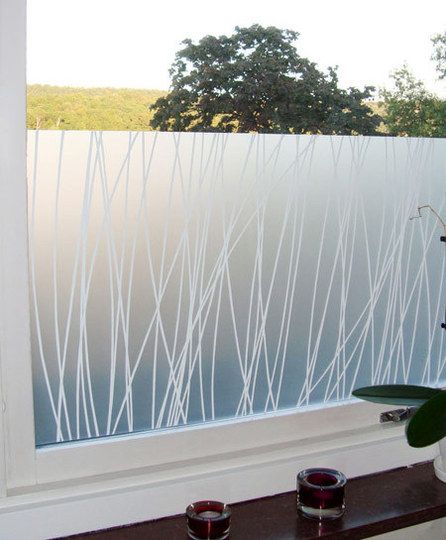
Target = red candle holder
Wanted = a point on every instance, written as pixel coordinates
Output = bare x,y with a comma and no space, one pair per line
320,493
208,520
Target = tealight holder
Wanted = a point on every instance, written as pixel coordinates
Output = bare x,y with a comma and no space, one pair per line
208,520
321,493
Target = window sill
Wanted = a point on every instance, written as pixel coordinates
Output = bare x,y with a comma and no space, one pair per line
376,504
71,507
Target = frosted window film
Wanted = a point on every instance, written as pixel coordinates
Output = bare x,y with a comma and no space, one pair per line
184,278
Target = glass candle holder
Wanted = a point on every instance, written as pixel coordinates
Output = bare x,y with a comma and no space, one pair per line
208,520
320,493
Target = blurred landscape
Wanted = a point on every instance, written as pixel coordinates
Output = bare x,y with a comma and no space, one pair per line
63,107
120,109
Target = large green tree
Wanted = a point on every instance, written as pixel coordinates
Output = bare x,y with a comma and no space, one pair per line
254,80
411,110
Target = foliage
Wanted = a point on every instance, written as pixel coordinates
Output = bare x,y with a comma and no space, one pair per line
439,55
378,107
56,107
254,80
411,110
428,425
397,394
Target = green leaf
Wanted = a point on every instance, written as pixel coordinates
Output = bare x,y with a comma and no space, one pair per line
397,394
428,425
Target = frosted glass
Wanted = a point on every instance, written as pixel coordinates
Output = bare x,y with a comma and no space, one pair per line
185,278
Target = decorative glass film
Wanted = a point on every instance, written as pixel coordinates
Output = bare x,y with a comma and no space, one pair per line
186,278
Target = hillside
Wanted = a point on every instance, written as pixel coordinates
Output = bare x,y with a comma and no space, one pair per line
120,109
60,107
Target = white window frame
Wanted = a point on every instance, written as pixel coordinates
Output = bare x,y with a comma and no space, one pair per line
139,476
15,352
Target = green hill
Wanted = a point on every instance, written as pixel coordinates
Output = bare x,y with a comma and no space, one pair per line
120,109
61,107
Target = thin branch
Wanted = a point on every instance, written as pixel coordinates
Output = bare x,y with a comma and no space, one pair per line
443,224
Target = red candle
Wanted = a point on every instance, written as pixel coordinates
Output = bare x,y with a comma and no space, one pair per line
320,493
208,520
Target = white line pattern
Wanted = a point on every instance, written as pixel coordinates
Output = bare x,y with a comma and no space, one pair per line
183,278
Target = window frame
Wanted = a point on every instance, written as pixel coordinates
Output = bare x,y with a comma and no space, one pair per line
238,447
15,350
251,436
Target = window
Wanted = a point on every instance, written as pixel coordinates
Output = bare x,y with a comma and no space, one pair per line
139,476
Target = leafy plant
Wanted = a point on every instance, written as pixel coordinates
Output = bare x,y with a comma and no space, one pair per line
428,425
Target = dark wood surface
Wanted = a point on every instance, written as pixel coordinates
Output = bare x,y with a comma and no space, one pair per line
376,504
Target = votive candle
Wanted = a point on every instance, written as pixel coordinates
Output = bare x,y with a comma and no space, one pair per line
208,520
321,493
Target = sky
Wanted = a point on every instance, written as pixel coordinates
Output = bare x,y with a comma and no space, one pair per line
131,43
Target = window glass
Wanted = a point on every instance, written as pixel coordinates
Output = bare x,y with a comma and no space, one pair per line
221,204
183,278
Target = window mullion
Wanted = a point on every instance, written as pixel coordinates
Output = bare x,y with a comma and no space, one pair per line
15,355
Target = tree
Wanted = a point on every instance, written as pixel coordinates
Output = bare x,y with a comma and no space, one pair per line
411,110
254,80
439,55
